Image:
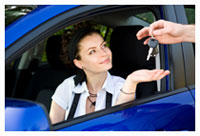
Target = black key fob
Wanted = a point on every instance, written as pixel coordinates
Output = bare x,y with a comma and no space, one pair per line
153,43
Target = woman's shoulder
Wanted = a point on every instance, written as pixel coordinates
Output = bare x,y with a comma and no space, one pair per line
117,79
68,81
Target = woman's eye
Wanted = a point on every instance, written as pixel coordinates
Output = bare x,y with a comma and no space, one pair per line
92,51
104,45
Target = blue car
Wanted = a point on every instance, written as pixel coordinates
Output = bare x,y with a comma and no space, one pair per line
34,69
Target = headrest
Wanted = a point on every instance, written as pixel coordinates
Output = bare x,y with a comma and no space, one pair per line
128,51
53,48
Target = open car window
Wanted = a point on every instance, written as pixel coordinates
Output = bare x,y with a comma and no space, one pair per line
32,64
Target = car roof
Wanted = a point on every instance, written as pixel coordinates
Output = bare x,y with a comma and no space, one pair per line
38,16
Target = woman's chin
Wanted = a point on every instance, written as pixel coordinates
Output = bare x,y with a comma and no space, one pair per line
109,67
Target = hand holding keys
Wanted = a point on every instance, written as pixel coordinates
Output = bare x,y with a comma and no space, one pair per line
153,43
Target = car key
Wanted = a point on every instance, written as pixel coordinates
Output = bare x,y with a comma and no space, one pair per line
152,47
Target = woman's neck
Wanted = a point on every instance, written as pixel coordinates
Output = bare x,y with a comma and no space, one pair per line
96,81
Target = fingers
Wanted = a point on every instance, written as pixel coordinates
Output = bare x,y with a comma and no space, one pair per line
142,33
160,74
159,32
153,30
156,25
146,41
154,74
145,75
167,72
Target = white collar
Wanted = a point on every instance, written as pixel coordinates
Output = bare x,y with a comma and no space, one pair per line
108,85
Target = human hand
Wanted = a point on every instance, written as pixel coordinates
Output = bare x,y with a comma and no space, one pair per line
147,75
168,32
143,75
129,88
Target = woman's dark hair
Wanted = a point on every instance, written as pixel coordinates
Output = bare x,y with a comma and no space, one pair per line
64,49
72,49
74,46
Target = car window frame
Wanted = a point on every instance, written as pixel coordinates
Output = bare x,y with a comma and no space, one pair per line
137,102
17,45
183,59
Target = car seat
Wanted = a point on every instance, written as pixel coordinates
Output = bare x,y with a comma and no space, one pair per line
129,54
47,77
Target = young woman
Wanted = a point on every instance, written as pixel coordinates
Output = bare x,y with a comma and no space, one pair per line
93,88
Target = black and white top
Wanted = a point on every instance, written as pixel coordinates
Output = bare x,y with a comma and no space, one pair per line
65,92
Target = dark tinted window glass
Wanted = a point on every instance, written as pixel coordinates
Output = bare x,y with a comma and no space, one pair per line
190,13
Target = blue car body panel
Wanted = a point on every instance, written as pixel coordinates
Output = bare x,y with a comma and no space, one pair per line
162,114
32,20
193,93
23,115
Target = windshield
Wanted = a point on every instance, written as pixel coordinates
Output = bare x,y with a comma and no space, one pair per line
12,13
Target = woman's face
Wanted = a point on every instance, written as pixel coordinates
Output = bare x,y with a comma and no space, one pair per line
95,56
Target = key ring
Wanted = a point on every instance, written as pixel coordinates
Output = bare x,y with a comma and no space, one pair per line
152,36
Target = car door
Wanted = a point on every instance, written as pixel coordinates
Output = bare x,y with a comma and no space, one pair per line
170,109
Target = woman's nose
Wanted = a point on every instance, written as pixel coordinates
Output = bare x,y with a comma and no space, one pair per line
103,52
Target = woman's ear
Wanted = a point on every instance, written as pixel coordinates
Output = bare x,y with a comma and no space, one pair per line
78,63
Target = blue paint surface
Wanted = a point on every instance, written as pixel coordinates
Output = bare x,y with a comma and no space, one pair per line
172,113
32,20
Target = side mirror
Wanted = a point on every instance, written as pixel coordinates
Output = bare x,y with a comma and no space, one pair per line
22,115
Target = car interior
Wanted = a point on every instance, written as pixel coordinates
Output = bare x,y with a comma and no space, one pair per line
129,54
36,74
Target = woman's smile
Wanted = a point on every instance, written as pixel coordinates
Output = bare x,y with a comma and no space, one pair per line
106,61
